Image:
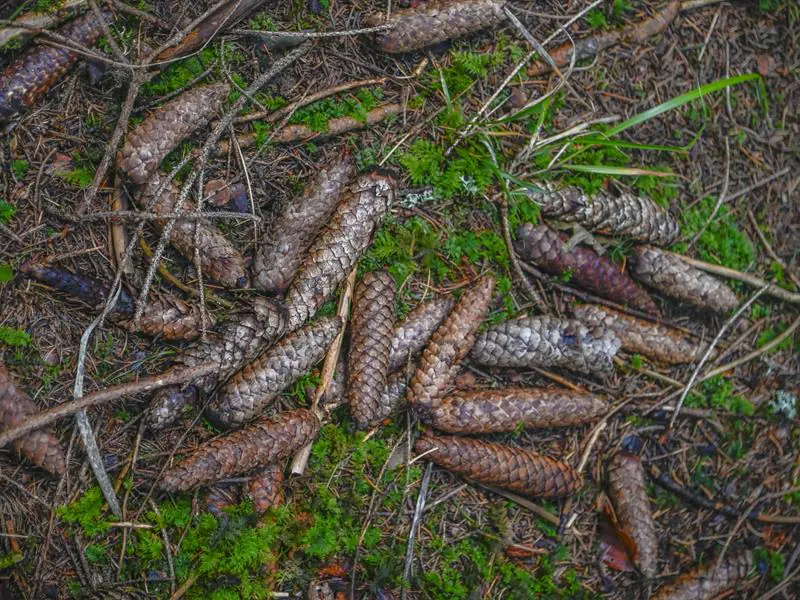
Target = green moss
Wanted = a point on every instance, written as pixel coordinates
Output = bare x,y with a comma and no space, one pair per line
596,19
7,211
20,167
81,176
723,242
86,512
717,392
469,170
316,115
774,561
14,337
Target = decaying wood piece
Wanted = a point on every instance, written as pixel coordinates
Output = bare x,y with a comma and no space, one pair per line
166,127
626,215
41,446
628,493
37,70
490,411
549,250
508,467
167,405
166,315
653,340
667,273
705,583
448,346
339,246
593,45
435,22
250,389
370,345
258,445
412,333
219,259
289,235
265,487
547,342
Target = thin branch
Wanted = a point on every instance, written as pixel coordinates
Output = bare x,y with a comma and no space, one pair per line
722,194
769,249
310,35
412,534
512,255
751,280
135,215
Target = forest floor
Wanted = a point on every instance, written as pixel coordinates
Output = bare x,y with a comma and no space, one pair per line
347,519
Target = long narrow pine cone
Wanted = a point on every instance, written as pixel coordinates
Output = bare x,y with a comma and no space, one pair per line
491,411
412,333
250,389
626,215
265,487
705,583
370,345
164,128
507,467
628,492
260,444
548,249
167,405
339,246
449,344
41,446
288,236
547,342
437,22
656,341
665,272
28,78
219,259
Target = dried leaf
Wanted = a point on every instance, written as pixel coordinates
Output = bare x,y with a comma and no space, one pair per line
614,548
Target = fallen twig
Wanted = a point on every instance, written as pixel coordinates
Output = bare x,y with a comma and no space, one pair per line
419,508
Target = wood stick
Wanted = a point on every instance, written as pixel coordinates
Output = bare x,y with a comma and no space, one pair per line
751,280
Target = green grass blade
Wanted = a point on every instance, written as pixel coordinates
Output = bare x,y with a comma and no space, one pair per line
594,141
614,170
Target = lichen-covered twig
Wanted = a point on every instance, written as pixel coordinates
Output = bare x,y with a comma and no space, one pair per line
709,581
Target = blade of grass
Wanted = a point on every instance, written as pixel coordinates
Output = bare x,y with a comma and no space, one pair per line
615,170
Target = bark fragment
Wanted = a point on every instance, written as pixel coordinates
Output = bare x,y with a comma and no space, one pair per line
656,341
705,583
547,342
41,447
665,272
548,249
265,487
436,22
508,467
412,334
258,445
491,411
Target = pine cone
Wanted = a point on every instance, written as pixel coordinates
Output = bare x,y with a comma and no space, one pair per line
257,445
28,78
490,411
449,344
628,491
287,238
547,342
249,390
167,405
625,215
41,446
412,334
265,487
221,497
547,248
665,272
394,392
166,127
507,467
705,583
218,257
642,337
339,245
436,22
370,341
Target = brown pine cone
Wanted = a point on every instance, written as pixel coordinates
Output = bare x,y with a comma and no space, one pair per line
412,334
220,497
166,127
265,487
288,236
219,259
41,446
436,22
507,467
547,342
665,272
547,248
257,445
167,405
628,491
490,411
625,215
370,344
705,583
250,389
339,245
37,70
171,318
449,344
642,337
